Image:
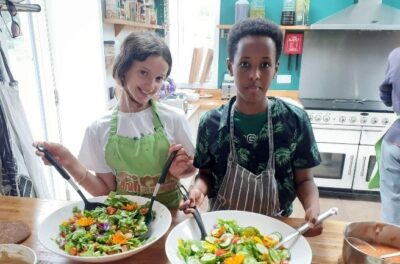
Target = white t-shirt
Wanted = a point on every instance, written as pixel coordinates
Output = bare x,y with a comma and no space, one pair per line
135,125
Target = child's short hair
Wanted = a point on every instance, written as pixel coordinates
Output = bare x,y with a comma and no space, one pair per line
254,27
138,46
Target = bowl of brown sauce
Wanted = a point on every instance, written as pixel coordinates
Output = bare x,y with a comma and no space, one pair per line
17,254
384,239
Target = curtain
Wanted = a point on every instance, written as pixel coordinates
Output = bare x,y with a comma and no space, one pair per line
22,172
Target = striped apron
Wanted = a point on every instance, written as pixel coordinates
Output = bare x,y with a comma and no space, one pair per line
243,190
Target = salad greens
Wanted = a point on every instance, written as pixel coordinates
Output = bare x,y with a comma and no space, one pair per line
105,230
231,244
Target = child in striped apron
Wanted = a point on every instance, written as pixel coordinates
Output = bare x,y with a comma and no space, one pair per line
255,153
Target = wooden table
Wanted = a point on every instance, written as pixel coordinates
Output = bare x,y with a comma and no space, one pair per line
326,248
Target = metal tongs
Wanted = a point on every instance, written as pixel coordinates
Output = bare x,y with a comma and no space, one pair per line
196,213
305,227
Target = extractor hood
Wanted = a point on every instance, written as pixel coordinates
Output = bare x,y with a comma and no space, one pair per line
364,15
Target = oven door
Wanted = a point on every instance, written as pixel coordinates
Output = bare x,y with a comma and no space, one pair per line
365,164
337,165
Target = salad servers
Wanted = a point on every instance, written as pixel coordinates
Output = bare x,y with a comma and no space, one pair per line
161,180
196,213
88,205
305,227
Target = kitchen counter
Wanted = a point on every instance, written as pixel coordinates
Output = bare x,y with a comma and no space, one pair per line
326,248
215,100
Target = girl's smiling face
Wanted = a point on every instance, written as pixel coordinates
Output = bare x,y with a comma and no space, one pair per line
143,80
253,67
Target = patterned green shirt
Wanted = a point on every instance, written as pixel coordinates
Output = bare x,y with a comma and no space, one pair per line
294,147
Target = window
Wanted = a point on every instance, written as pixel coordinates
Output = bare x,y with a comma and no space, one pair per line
22,58
200,32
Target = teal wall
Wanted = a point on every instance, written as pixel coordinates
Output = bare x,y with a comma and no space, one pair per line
318,9
394,3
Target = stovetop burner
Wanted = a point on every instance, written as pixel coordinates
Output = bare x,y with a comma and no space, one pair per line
345,105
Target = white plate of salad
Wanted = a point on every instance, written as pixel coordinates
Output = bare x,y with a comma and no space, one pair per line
104,234
235,237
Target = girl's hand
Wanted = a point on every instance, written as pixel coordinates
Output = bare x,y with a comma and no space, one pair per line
59,152
182,162
311,217
196,198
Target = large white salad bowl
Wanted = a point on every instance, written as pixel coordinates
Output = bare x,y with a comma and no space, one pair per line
48,229
300,249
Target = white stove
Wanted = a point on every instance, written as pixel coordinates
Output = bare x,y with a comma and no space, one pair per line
349,118
346,142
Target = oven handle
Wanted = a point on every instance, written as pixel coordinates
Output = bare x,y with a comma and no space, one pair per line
363,166
372,130
351,164
335,129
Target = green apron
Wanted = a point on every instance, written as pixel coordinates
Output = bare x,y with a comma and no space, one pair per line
138,162
375,177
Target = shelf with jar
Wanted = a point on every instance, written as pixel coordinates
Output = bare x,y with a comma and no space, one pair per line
119,24
135,14
225,28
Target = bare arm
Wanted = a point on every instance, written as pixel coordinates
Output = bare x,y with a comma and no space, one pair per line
307,192
98,185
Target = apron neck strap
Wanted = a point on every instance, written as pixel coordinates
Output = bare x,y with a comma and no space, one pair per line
156,119
114,121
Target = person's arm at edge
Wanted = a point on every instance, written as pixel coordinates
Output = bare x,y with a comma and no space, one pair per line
96,185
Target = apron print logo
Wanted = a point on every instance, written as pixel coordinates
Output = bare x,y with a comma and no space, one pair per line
251,138
128,183
144,185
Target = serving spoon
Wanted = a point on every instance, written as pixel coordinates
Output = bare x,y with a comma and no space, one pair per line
88,205
355,241
305,227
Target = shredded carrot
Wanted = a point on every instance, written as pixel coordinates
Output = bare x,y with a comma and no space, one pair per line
268,242
130,207
85,221
119,238
235,259
220,232
73,251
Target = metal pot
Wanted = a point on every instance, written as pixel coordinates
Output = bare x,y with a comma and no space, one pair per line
371,232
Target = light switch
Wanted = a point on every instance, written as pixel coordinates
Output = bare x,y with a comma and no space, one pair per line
284,79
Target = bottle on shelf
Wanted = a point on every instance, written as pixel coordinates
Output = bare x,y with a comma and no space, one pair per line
242,8
302,12
257,8
288,12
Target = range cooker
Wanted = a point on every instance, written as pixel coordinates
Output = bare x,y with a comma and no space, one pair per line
346,132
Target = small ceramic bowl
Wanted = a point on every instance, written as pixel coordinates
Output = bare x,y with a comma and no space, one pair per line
18,251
